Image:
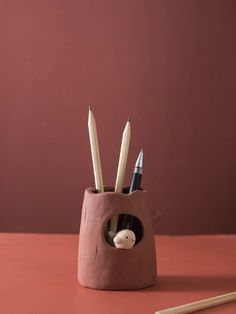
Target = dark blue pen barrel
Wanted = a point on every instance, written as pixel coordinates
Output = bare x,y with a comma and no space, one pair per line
136,182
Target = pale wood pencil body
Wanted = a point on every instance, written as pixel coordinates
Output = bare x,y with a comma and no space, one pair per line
200,305
124,150
97,170
120,177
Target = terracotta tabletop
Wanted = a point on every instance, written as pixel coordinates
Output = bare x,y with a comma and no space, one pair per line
38,275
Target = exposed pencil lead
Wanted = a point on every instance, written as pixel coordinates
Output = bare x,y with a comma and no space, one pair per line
90,107
129,120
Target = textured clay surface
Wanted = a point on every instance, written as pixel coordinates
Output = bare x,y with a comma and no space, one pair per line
101,266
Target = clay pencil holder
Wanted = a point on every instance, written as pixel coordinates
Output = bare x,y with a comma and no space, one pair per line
103,266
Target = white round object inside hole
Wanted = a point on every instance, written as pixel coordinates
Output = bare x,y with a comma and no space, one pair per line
124,239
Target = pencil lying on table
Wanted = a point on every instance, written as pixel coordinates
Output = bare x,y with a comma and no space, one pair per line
97,169
200,305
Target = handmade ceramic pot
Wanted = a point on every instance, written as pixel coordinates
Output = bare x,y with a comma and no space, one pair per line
101,265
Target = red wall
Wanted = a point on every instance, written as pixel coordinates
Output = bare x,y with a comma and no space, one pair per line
169,65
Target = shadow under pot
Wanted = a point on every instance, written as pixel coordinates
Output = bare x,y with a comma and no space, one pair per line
100,264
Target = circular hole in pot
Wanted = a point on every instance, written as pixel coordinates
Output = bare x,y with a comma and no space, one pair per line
125,221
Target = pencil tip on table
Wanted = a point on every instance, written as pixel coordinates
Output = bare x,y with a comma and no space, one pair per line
129,120
90,108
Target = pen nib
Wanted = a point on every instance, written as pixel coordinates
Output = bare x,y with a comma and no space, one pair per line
139,162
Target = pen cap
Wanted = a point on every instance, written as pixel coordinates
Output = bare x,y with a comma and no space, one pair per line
102,266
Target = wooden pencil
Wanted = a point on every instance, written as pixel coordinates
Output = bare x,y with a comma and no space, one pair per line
97,170
200,305
120,177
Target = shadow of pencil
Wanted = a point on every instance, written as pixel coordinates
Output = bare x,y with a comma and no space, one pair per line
191,283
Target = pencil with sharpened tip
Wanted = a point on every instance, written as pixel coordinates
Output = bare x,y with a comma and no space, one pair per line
97,170
120,177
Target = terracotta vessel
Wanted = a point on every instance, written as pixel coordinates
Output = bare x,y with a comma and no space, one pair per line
102,266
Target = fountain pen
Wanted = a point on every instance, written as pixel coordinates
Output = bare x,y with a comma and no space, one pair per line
137,174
